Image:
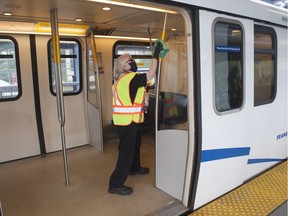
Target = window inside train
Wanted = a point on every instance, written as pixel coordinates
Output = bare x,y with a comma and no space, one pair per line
70,52
141,53
228,83
10,88
264,65
173,89
92,82
91,70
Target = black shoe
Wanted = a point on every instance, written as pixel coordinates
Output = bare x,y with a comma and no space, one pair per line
141,171
120,190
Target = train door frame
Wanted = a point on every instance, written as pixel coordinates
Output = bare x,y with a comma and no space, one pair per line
168,160
94,102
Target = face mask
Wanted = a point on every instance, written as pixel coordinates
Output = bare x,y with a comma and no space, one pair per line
133,65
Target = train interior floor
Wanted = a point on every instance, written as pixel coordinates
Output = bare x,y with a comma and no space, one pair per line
36,186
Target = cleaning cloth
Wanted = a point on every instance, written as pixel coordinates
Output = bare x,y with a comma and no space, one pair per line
165,49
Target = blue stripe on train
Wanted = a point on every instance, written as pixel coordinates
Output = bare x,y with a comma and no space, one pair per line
263,160
218,154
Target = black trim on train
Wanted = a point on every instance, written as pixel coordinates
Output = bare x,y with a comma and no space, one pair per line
197,108
37,94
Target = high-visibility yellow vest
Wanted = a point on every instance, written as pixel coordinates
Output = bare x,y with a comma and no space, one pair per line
124,112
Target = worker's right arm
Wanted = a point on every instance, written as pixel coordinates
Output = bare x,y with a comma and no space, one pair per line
152,71
153,68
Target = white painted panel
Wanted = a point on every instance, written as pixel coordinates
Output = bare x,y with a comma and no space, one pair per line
18,129
76,129
95,129
230,130
266,148
171,155
267,140
218,177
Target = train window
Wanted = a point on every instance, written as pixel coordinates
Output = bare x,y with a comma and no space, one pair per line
264,65
141,53
173,89
70,52
228,40
91,70
10,88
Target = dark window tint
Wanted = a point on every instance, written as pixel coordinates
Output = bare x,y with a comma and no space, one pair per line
264,65
228,40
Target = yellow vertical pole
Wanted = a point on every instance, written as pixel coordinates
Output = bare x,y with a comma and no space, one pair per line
59,89
158,79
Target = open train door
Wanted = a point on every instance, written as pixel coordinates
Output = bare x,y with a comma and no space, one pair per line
172,121
94,110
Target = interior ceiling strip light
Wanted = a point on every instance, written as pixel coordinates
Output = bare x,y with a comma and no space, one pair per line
127,38
142,7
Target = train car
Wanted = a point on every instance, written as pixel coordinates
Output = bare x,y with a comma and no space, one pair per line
218,107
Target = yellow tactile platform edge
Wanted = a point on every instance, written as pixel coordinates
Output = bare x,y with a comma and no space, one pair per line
258,197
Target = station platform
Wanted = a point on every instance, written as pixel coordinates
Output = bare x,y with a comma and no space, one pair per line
264,195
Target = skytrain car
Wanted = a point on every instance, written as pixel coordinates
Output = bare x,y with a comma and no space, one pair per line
218,105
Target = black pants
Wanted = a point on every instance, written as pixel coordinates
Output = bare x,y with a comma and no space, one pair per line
129,153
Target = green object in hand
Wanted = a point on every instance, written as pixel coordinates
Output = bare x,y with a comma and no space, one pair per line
164,50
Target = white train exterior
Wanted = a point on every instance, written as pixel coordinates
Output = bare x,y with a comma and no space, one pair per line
237,145
221,130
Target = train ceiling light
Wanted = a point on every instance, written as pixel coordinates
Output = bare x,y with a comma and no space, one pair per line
133,5
7,14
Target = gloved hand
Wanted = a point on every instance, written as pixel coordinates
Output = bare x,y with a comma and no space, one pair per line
157,50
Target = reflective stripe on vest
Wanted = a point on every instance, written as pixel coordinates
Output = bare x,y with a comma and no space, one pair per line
124,112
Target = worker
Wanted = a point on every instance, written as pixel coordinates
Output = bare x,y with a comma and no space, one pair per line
128,114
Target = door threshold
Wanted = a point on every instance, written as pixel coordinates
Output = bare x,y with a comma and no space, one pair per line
174,208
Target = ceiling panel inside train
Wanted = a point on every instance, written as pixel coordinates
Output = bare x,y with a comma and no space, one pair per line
119,20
